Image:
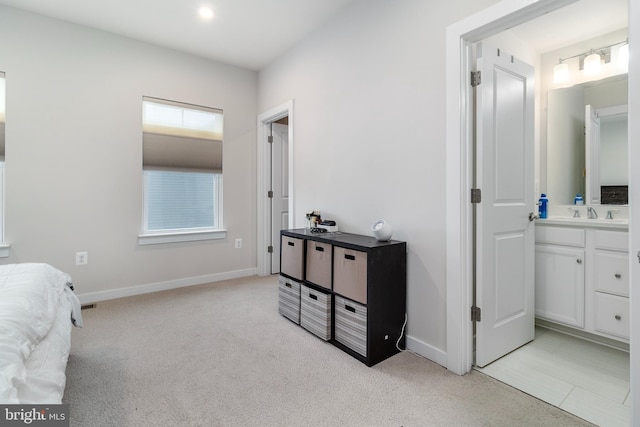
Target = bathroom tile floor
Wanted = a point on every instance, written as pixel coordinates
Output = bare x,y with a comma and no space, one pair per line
586,379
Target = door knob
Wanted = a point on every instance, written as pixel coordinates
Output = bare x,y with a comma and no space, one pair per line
579,261
532,216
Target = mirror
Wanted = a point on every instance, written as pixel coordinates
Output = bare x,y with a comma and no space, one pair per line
605,178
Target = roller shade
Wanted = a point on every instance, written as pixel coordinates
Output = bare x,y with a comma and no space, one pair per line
181,136
3,101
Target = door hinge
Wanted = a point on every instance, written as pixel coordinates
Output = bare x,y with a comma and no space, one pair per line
270,139
476,195
476,314
270,194
476,78
270,249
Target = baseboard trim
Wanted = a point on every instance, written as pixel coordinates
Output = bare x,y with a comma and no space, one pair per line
94,297
425,350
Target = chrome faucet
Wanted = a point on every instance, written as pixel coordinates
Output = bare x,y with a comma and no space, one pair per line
591,213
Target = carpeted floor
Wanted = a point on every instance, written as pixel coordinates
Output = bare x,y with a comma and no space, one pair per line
221,355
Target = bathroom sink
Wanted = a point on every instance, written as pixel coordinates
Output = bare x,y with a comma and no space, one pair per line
587,222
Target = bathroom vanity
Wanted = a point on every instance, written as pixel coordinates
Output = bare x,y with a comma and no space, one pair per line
582,276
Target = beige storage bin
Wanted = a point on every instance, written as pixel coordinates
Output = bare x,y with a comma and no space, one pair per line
292,259
319,263
350,274
315,312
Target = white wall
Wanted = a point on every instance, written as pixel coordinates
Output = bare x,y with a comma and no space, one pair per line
74,145
369,93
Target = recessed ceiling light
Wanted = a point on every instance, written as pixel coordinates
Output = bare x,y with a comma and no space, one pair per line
205,12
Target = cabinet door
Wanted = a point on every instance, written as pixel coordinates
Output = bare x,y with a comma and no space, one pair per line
560,284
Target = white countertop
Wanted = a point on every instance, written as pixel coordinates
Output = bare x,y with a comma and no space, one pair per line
621,223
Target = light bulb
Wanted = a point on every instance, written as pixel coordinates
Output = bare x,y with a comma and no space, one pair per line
592,64
561,73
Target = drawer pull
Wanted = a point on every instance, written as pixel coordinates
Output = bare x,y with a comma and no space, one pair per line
617,317
288,285
312,296
618,275
350,257
351,309
579,261
291,244
319,249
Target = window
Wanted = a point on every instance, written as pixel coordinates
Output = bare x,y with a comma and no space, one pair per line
182,162
4,248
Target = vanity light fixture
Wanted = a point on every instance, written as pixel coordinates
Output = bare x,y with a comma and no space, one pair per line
561,72
591,61
592,64
623,54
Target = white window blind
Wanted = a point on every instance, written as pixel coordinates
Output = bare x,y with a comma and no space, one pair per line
3,97
182,161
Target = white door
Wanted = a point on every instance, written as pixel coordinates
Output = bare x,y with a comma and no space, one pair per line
280,188
505,235
592,155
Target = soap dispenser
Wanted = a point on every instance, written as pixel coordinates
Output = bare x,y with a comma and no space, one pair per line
579,200
542,206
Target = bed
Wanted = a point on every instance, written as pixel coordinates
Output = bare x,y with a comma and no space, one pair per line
37,311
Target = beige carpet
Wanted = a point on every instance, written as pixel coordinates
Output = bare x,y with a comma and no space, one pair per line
221,355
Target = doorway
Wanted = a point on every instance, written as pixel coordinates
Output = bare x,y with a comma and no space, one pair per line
275,204
460,242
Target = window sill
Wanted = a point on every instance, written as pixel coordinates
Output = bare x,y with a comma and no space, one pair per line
4,250
181,236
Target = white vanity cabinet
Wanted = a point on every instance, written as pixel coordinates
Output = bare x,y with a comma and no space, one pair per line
582,278
560,267
611,283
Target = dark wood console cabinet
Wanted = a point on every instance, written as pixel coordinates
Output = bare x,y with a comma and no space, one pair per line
364,282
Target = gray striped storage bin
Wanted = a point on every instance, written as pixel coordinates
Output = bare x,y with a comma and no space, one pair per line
351,324
315,312
289,299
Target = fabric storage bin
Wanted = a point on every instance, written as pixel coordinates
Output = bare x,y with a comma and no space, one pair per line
292,257
351,324
319,263
315,312
350,274
289,299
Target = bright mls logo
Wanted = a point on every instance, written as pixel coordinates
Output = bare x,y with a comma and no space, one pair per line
35,415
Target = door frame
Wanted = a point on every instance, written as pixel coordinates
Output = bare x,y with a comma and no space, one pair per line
459,231
263,176
459,124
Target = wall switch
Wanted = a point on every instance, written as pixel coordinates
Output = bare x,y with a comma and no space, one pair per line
82,258
238,243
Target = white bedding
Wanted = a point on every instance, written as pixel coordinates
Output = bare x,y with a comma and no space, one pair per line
36,308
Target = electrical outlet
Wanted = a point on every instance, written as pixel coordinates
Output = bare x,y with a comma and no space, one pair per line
82,258
238,243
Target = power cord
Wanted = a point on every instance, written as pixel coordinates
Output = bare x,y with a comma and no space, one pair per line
402,334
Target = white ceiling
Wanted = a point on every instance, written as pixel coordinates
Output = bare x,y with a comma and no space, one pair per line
584,19
253,33
246,33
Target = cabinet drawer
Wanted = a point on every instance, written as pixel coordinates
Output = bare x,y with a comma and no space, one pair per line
319,263
612,315
351,324
560,236
289,299
612,273
612,240
315,312
292,259
350,274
